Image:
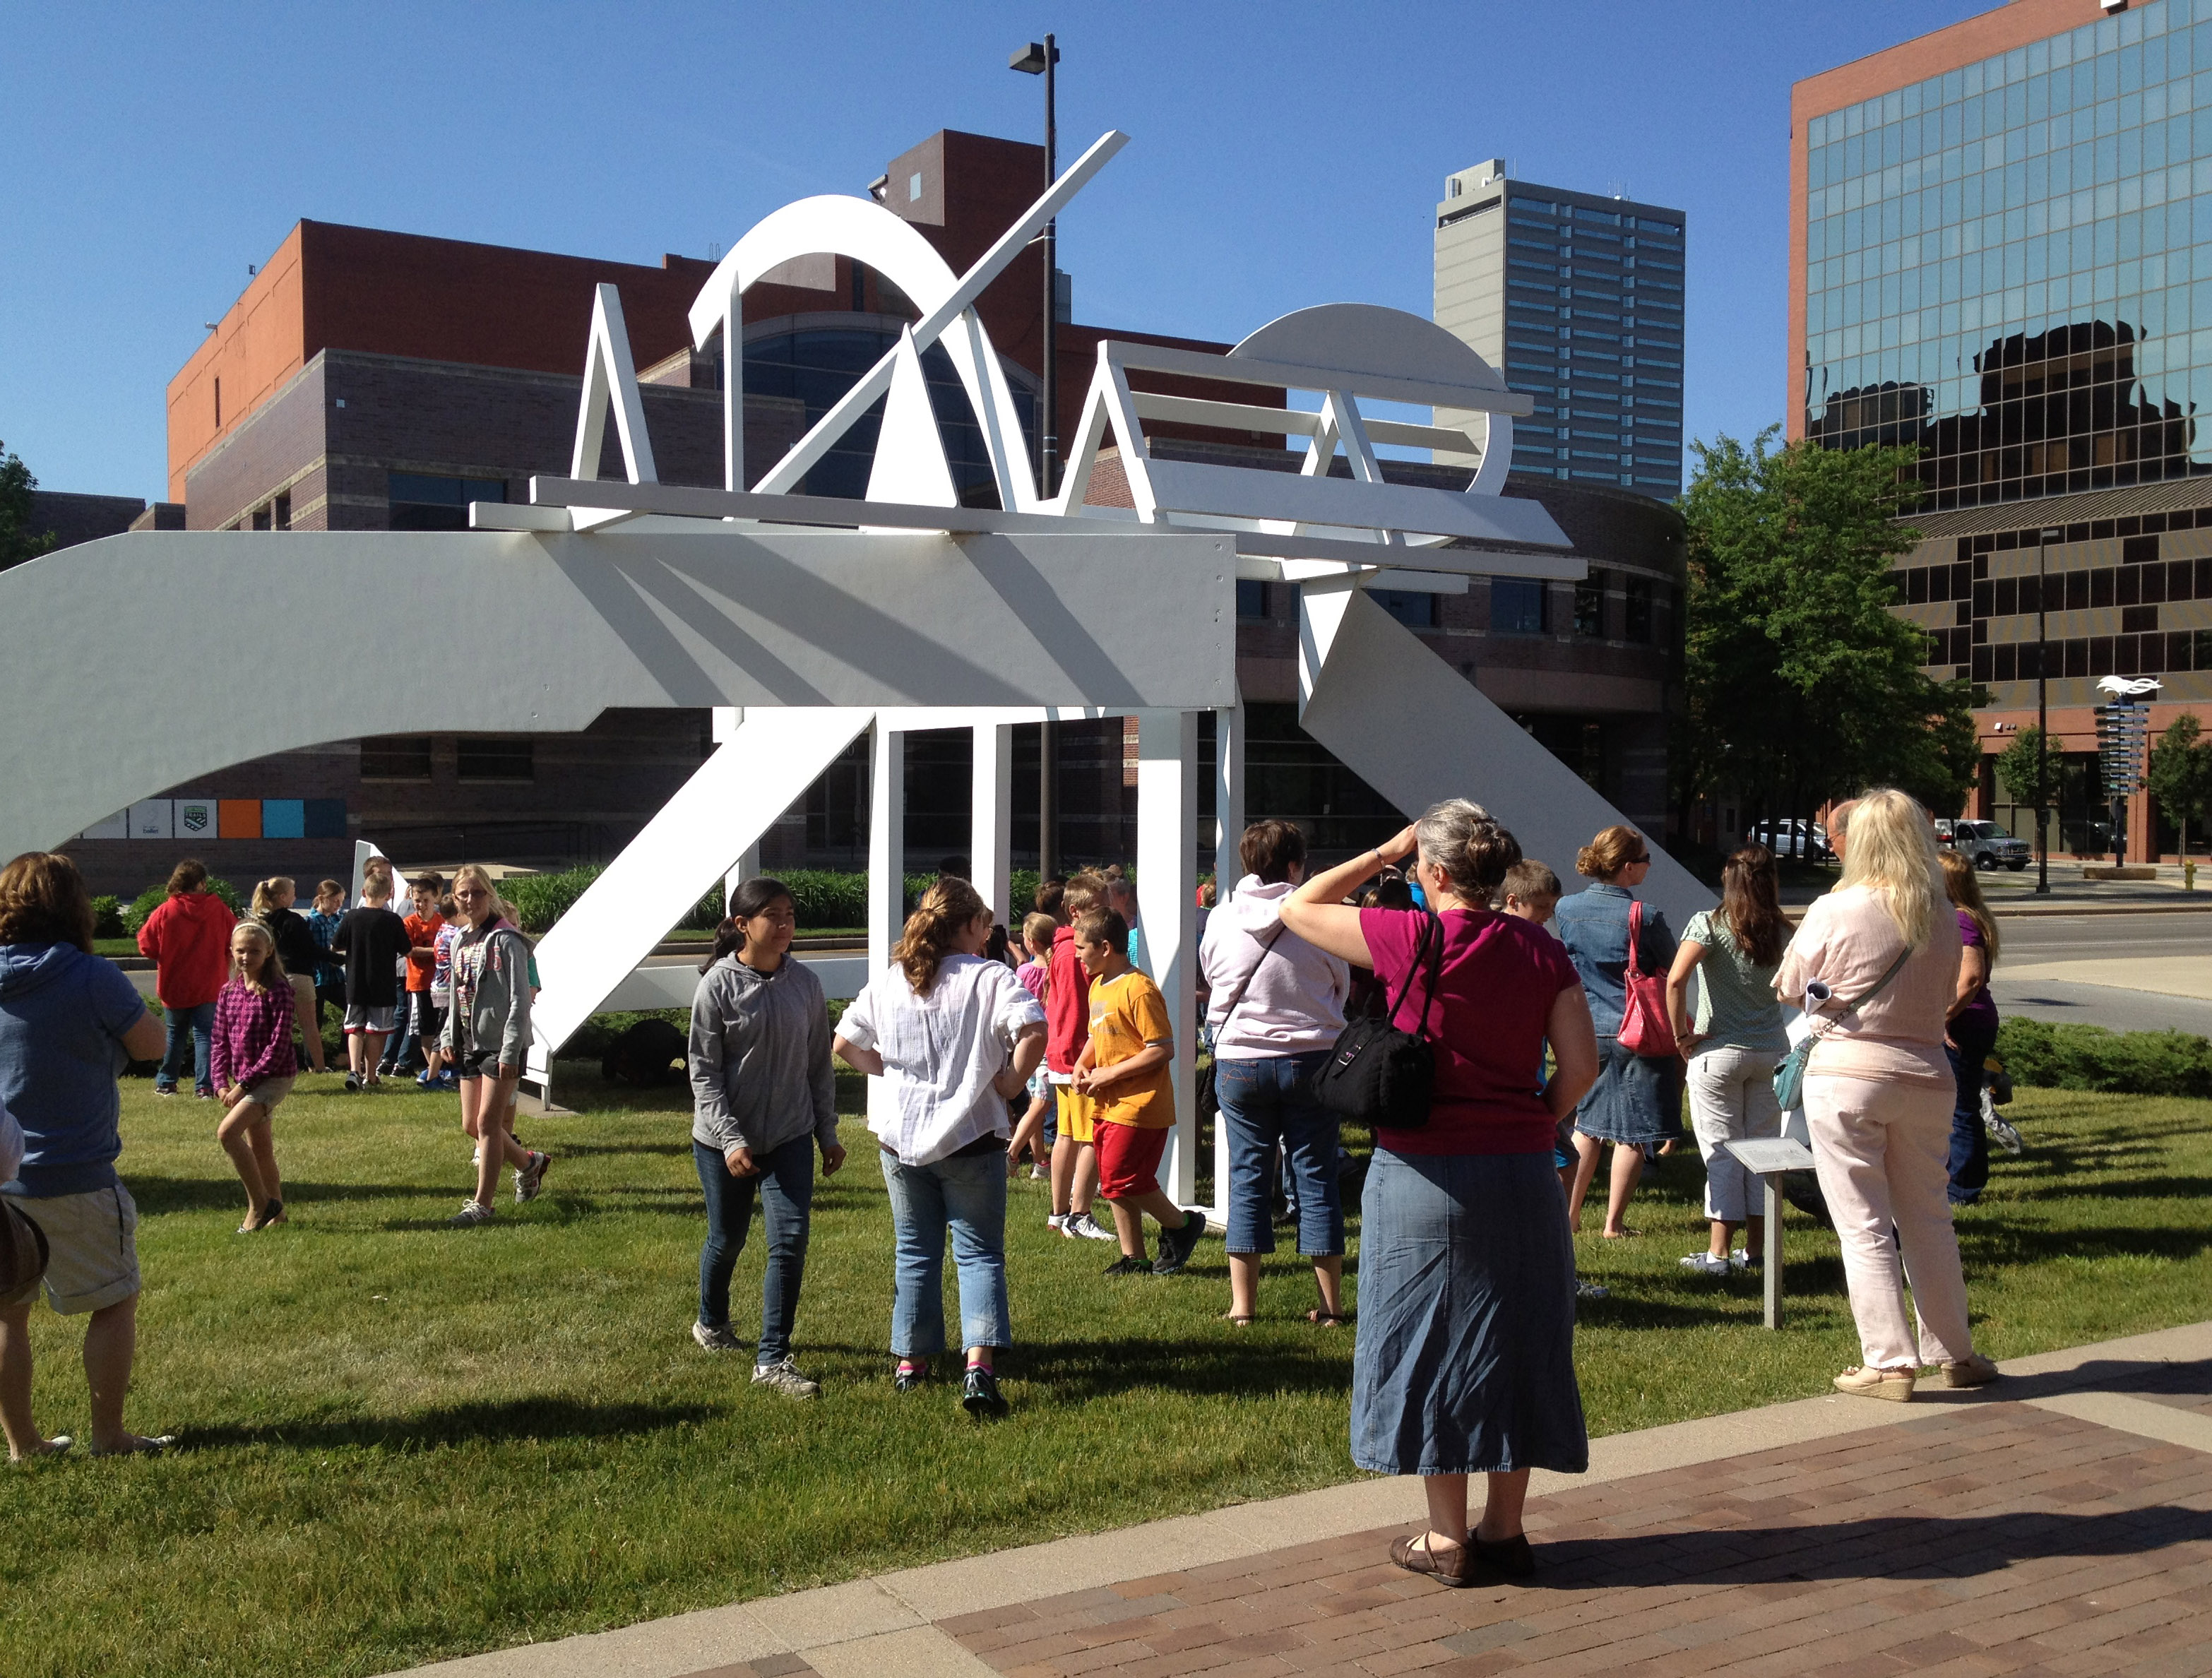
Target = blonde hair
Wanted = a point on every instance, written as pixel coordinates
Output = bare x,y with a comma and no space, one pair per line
265,899
947,909
1038,928
1085,891
1892,847
1965,893
268,974
477,872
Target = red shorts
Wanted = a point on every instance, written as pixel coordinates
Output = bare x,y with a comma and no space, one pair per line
1129,1159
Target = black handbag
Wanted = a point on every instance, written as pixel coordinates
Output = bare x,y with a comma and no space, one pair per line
1208,1098
1377,1074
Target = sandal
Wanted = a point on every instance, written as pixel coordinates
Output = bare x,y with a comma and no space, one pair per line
1322,1319
1414,1555
1237,1321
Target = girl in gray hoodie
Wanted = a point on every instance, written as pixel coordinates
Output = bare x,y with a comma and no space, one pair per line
764,1098
487,1041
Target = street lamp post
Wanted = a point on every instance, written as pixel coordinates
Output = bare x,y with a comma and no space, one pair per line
2043,539
1042,59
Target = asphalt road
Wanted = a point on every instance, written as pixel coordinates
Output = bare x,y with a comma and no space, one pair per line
2047,941
2049,938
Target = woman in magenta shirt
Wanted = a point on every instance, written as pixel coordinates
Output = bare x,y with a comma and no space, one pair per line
1465,1358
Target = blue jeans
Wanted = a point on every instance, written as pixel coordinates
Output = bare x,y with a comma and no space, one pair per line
191,1031
1268,1102
968,1195
1970,1143
786,1186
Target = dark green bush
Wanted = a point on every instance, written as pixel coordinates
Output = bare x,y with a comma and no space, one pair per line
594,1035
539,900
108,918
154,896
2089,1057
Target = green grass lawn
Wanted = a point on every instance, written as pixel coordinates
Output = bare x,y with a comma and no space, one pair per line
404,1441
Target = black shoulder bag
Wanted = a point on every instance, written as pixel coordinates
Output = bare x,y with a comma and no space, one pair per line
1208,1099
1377,1074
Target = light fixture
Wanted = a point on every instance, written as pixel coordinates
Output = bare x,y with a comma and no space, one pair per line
1032,59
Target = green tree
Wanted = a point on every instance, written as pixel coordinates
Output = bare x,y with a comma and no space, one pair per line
1802,684
2180,775
2020,764
18,541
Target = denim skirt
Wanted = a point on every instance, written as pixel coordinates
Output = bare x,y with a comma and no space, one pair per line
1635,1100
1465,1361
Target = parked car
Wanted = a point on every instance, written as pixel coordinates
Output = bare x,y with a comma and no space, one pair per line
1792,835
1985,844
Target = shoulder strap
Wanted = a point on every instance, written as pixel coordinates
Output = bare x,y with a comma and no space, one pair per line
1229,1012
1903,956
1635,935
1429,924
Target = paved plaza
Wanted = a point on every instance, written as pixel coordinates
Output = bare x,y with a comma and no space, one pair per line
2060,1523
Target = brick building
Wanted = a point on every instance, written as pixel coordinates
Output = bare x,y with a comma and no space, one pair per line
369,380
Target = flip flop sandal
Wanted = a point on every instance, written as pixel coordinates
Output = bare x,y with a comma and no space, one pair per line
1322,1319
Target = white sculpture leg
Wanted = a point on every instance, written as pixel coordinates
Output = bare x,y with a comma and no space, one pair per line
1417,731
1167,884
886,856
728,803
991,823
1228,869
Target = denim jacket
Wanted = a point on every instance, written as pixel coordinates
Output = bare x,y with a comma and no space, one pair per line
1594,926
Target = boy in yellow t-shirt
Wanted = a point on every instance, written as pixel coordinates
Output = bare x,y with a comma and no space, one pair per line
1124,1072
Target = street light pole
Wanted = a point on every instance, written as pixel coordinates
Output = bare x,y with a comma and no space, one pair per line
2043,539
1042,58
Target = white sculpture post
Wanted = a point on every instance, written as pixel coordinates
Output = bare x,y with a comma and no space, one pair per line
991,814
1229,726
886,856
1167,885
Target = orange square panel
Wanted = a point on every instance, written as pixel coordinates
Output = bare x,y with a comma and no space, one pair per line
238,819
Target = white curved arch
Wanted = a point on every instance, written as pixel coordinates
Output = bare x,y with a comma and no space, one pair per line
1356,338
865,232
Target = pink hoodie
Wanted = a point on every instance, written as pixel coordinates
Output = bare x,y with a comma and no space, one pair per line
1294,1003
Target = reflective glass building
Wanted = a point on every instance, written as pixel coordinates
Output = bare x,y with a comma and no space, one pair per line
2002,251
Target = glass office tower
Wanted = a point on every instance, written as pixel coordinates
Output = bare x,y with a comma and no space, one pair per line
2008,262
1577,300
2001,252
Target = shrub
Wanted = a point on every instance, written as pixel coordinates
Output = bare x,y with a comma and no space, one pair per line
824,897
2089,1057
108,918
539,900
155,895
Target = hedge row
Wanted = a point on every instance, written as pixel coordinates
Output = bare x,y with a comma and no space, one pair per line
127,918
2089,1057
825,897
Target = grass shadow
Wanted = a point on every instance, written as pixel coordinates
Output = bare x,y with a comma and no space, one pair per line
1073,1372
157,1196
503,1422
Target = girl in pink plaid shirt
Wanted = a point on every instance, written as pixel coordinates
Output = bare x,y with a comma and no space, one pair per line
253,1066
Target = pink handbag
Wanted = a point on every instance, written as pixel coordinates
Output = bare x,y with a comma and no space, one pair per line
1644,1028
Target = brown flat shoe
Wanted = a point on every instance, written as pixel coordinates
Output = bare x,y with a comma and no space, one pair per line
1413,1554
1510,1556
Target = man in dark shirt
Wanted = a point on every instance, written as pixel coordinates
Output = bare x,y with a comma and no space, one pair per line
374,942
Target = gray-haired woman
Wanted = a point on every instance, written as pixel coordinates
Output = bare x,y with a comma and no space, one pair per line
1464,1362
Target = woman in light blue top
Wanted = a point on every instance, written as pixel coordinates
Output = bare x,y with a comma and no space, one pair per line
1735,1043
1634,1103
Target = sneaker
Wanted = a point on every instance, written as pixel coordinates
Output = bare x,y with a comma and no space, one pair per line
1706,1264
472,1212
1741,1259
1591,1291
1038,1174
979,1395
165,1089
911,1379
423,1080
1177,1245
204,1093
529,1179
1084,1225
711,1340
353,1083
448,1081
783,1377
1058,1224
1126,1265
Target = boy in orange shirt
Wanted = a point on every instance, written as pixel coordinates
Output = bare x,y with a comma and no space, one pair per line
420,1026
1123,1074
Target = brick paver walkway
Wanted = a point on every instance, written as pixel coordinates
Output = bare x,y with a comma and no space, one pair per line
1991,1539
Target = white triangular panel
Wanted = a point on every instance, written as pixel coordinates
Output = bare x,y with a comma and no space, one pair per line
910,465
611,380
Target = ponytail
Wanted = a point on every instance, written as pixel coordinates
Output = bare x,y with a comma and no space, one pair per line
947,909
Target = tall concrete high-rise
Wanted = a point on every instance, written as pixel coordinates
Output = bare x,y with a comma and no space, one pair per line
1577,299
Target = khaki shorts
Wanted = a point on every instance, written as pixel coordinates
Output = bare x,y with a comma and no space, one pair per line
92,1240
269,1094
1074,1114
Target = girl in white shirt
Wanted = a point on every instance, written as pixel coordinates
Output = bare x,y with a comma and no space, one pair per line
955,1037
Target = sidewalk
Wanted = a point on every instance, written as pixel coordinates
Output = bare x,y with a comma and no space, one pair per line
2061,1523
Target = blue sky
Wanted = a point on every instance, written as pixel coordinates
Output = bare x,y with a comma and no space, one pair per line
1282,157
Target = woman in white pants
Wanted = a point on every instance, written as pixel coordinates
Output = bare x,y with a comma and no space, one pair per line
1734,1043
1878,1095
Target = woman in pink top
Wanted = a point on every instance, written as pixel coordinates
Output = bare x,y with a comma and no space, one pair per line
1879,1090
1464,1363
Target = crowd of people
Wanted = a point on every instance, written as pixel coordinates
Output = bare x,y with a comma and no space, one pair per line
1555,1025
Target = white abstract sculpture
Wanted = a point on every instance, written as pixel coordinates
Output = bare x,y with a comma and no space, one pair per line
899,611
